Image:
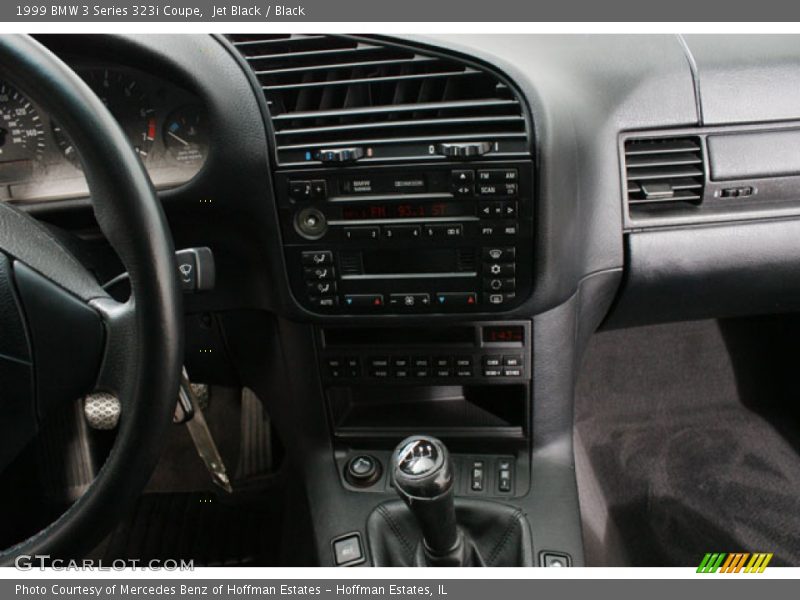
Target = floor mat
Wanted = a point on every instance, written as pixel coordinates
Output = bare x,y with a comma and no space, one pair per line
202,527
681,466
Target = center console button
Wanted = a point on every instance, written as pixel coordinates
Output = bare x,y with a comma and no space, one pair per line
460,299
321,288
499,269
477,476
363,470
499,254
492,361
400,362
364,300
499,298
323,301
421,361
505,284
379,361
319,273
442,361
317,257
408,301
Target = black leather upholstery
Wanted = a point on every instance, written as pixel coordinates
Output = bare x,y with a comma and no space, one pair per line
499,535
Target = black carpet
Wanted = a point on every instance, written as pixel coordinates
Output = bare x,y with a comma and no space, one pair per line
209,529
684,463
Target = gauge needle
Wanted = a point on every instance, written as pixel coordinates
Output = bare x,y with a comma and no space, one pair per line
180,139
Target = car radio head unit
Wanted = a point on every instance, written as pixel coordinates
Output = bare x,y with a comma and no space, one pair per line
444,238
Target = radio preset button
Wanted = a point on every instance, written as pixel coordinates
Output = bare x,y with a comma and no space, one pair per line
444,231
402,232
361,233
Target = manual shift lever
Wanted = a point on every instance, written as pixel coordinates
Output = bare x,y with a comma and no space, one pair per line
423,477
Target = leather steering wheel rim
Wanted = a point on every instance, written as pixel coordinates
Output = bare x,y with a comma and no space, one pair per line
144,348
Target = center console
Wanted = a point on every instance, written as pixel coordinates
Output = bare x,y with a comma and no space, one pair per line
417,239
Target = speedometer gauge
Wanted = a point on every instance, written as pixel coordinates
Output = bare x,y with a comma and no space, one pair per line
125,100
21,135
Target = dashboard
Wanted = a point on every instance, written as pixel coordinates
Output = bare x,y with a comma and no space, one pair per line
166,125
423,232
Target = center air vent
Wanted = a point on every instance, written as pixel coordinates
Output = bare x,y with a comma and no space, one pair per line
664,172
390,103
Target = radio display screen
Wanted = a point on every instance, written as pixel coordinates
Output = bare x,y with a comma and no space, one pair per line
406,210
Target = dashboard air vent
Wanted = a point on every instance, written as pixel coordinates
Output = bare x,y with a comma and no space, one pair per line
378,101
663,172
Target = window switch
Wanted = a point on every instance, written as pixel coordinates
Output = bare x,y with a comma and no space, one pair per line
477,476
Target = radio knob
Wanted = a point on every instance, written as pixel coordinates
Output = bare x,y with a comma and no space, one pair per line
311,223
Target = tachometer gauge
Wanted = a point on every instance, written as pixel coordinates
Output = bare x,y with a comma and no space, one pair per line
186,136
129,104
22,141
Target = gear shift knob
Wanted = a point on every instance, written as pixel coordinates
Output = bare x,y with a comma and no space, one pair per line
423,477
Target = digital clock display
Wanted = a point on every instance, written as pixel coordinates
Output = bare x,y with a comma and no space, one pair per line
503,334
405,210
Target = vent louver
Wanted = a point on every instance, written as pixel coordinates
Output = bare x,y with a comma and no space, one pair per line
394,103
663,172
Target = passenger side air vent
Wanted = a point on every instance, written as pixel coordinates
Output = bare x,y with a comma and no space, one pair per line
664,172
364,99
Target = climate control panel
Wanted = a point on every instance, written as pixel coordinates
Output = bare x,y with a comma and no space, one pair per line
416,239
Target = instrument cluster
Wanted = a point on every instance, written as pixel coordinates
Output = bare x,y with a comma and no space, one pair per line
166,125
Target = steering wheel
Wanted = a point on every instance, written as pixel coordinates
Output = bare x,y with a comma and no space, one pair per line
62,335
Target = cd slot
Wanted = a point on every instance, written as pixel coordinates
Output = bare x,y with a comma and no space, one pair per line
398,197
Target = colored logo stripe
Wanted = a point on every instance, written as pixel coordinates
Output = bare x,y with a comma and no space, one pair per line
734,562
